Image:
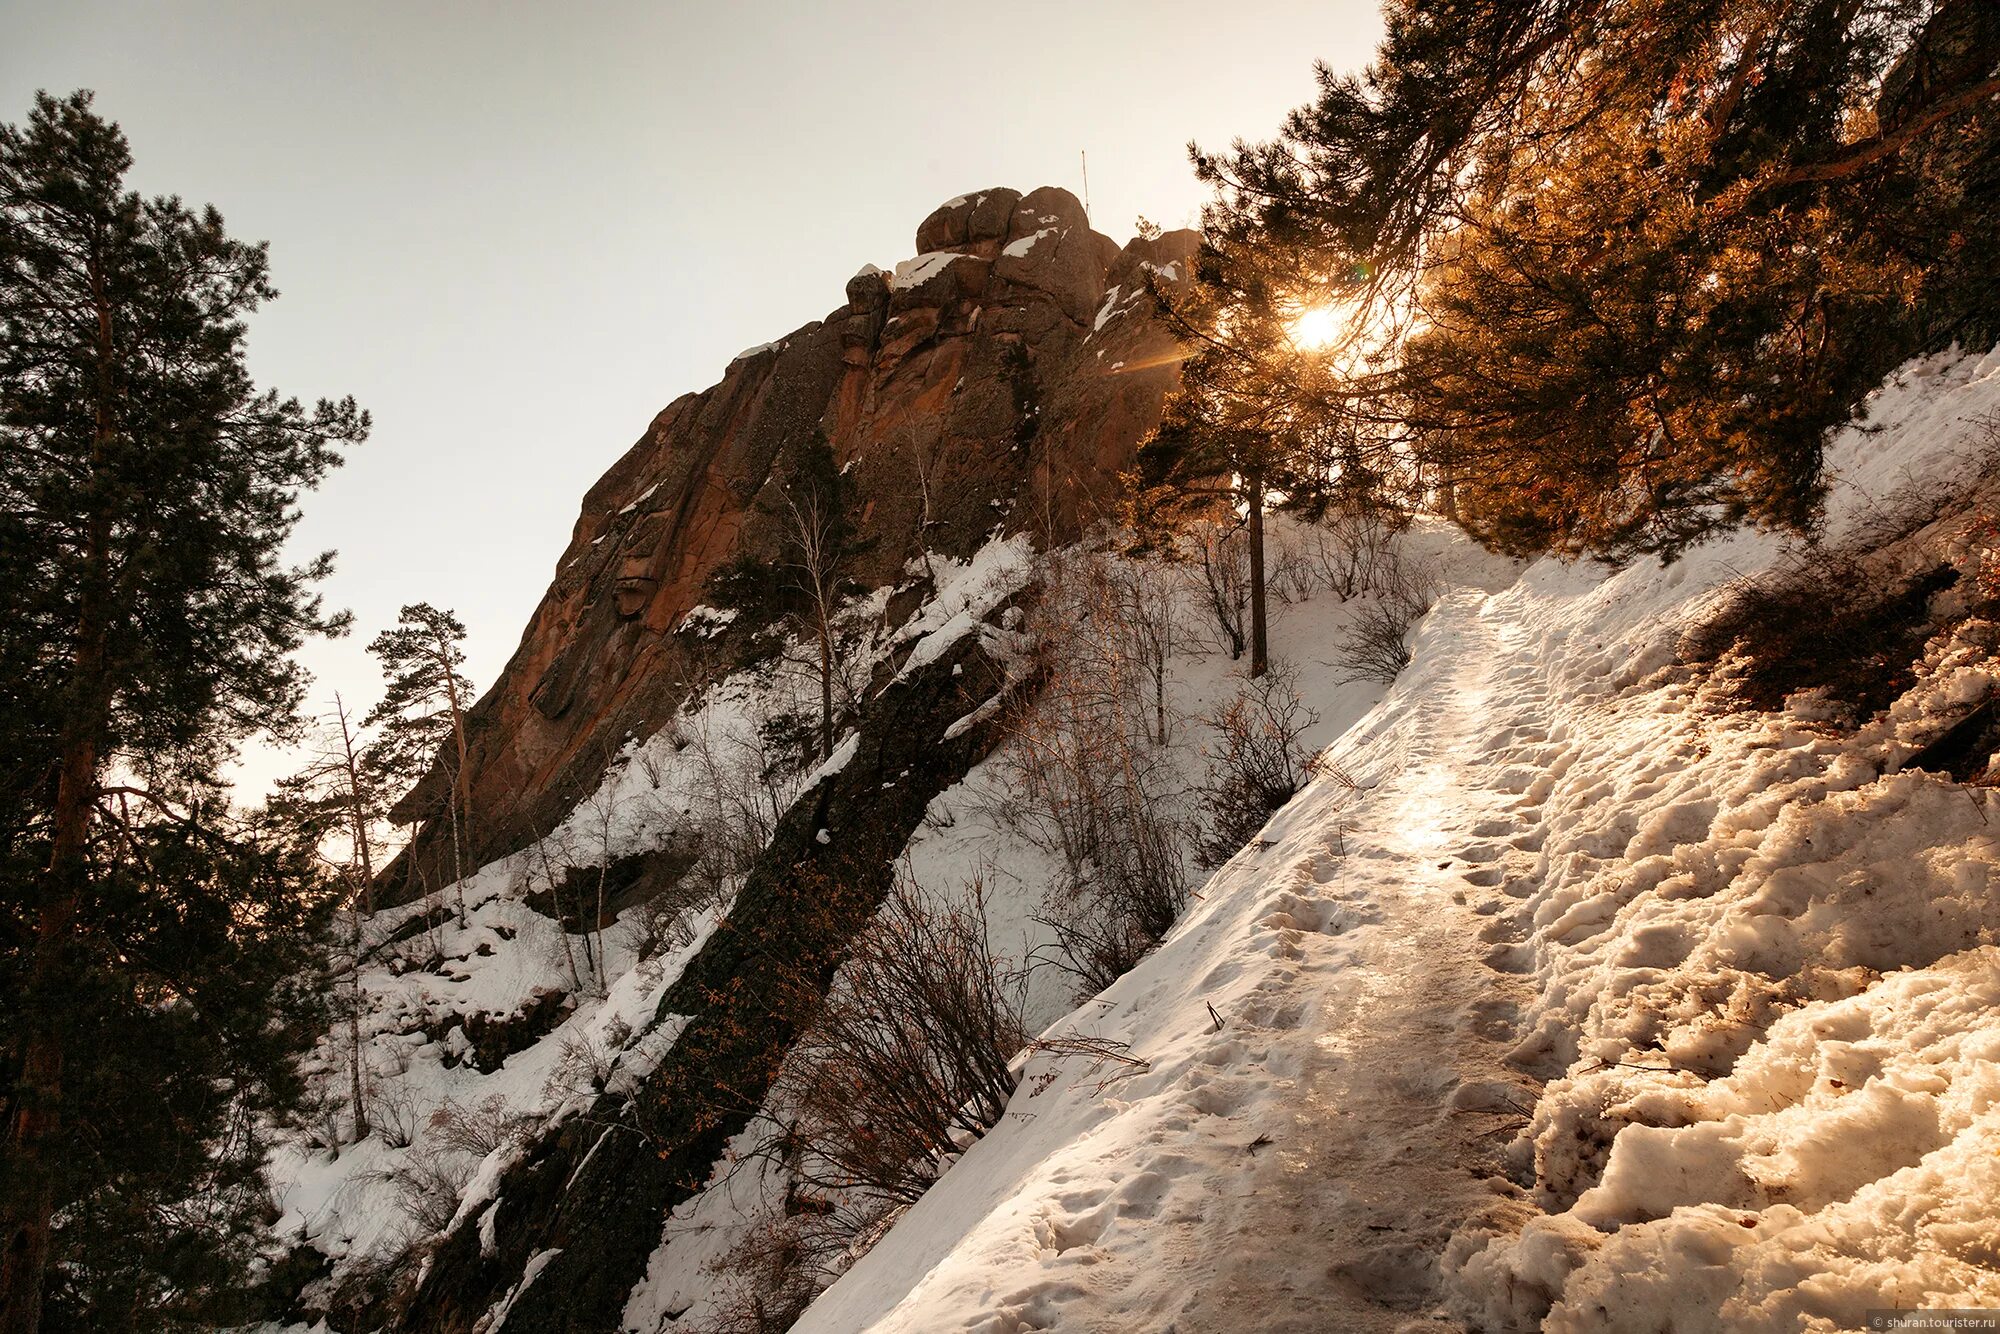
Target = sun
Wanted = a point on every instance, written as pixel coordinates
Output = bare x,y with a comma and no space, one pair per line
1314,328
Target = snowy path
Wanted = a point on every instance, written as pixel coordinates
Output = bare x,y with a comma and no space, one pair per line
1391,1141
1302,1168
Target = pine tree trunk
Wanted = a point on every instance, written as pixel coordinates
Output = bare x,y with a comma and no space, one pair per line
1260,648
357,1091
35,1116
356,813
457,853
461,820
358,822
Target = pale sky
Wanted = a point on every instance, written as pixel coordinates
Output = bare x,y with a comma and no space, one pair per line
516,231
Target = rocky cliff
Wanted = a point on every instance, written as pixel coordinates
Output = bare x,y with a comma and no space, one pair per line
1000,378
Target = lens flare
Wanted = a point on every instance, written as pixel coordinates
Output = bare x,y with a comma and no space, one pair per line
1315,328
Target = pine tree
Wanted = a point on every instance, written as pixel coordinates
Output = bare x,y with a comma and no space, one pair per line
420,719
1648,252
1262,415
1638,331
146,624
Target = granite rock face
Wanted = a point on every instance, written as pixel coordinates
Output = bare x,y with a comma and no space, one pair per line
1015,363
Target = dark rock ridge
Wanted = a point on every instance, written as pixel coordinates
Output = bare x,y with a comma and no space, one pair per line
1019,355
587,1199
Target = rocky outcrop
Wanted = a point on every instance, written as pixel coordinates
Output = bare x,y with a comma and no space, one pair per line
1007,372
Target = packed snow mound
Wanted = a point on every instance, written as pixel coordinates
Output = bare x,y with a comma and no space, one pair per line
1757,963
1765,956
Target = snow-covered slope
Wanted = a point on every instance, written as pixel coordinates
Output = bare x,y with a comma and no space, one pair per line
563,1015
1567,997
968,836
1758,965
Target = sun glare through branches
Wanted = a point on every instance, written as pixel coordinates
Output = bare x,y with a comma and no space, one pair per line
1317,327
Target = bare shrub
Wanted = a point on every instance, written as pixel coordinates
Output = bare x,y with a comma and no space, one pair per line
429,1177
368,1281
1291,567
745,783
907,1059
1088,778
665,922
903,1063
582,1067
1258,760
1353,546
1400,594
1824,620
654,764
1220,560
476,1131
765,1282
1108,915
323,1116
392,1112
1149,621
427,1183
1085,734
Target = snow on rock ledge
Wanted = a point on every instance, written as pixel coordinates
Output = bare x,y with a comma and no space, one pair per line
984,374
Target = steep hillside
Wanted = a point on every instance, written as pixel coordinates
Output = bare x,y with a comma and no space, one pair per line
1001,376
1596,1003
649,820
1631,963
524,1098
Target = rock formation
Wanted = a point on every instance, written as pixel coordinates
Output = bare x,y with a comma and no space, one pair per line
997,382
1002,377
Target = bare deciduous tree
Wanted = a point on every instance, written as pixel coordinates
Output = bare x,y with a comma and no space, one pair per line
1223,583
816,540
921,441
1087,777
337,801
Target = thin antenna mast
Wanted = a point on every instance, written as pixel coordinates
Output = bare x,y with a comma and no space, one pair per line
1086,179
